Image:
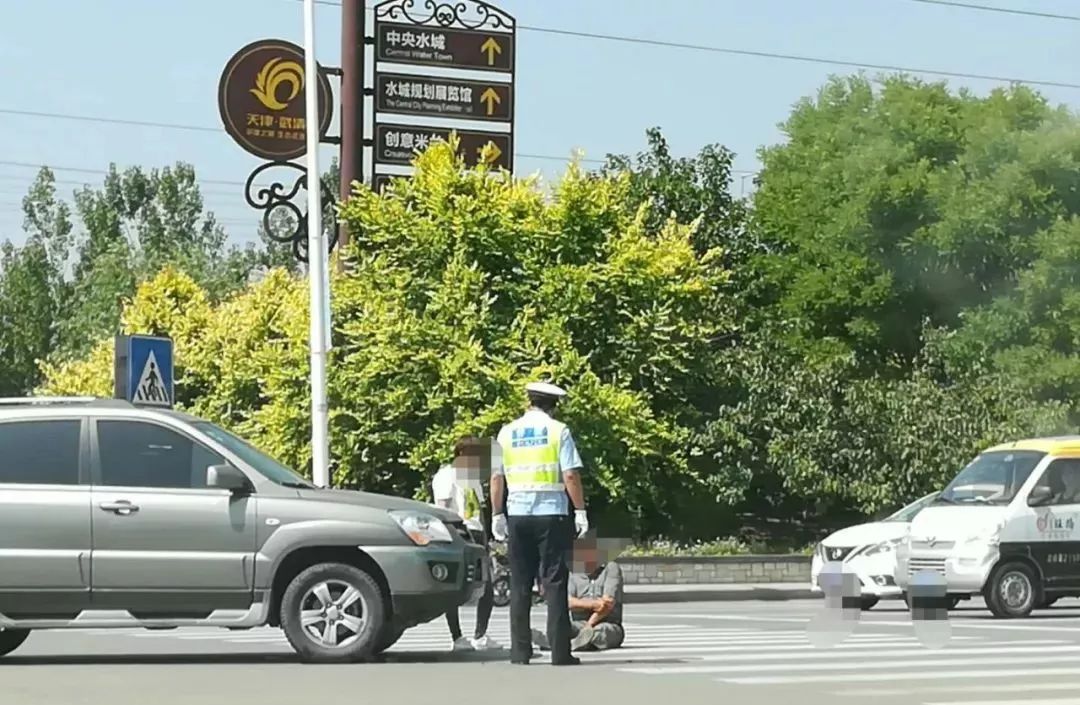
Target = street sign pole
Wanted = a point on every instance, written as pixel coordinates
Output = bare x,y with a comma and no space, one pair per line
353,17
317,270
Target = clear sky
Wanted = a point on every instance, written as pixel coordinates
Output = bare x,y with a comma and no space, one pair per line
159,61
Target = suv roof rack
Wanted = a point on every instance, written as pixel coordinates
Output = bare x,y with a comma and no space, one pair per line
58,401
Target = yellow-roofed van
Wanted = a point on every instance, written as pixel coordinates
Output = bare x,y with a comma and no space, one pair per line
1006,528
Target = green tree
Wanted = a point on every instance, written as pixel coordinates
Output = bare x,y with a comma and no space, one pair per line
889,206
33,290
136,223
810,439
1032,333
463,286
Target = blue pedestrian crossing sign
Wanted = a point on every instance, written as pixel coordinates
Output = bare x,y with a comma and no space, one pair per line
144,370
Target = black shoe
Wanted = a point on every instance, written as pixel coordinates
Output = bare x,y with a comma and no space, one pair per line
569,661
520,660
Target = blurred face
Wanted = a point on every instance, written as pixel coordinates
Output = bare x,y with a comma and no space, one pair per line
590,552
473,465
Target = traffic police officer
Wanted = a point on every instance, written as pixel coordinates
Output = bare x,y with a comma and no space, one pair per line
539,477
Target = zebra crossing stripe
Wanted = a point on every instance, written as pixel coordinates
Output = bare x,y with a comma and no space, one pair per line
920,675
1025,701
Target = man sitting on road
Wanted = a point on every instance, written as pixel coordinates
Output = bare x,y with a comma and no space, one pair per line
596,600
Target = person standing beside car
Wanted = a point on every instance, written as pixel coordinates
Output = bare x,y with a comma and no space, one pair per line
540,480
459,488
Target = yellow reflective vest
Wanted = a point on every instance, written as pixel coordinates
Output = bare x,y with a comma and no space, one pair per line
530,453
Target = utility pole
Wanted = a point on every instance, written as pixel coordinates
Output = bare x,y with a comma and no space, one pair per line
353,15
317,269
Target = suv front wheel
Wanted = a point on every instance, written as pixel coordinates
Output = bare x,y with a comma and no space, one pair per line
333,613
11,639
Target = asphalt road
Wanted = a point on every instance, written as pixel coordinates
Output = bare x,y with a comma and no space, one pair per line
774,653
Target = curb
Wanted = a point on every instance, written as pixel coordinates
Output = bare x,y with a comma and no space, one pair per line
720,595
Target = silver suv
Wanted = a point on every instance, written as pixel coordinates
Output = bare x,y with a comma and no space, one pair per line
118,516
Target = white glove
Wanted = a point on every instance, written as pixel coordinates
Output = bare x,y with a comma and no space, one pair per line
581,522
498,527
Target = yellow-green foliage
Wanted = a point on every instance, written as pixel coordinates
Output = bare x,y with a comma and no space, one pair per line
461,287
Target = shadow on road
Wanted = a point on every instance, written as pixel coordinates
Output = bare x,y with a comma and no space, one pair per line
248,659
145,659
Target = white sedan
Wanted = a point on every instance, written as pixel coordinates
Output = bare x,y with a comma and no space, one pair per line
869,552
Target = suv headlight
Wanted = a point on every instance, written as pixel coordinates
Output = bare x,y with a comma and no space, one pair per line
422,528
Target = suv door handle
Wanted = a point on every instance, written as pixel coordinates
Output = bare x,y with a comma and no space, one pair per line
123,507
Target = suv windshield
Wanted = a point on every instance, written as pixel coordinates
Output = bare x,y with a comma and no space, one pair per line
263,463
908,513
992,478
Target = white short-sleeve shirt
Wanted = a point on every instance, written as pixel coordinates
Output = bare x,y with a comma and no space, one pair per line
446,485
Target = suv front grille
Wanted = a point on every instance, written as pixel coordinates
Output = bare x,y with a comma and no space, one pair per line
459,528
932,546
473,572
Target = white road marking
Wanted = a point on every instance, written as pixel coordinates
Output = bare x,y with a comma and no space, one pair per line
790,658
921,676
968,689
1025,701
929,660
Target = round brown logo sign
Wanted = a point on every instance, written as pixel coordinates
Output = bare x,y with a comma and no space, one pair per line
261,100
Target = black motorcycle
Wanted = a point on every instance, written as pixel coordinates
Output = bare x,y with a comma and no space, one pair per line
501,580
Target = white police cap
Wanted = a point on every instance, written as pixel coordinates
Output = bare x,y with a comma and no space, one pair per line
546,389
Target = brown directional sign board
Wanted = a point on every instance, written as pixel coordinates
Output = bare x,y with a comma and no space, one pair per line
435,96
261,100
399,144
413,41
379,182
453,48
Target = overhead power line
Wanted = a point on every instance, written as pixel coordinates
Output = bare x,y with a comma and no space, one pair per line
100,172
776,55
28,180
1001,10
201,128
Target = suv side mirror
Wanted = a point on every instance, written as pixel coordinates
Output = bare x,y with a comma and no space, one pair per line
226,477
1039,496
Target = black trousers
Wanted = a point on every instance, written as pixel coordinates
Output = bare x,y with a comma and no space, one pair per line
540,546
483,614
487,600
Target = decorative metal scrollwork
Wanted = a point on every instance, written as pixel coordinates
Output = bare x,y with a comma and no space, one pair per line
466,14
275,198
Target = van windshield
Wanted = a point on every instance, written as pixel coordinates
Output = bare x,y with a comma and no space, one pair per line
992,478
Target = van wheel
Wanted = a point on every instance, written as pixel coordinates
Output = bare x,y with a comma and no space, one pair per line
1013,591
333,613
11,639
867,603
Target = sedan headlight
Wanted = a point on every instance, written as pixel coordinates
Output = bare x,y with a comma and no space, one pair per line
422,528
883,547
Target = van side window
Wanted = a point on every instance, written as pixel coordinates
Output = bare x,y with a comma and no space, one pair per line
40,452
1062,477
136,454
